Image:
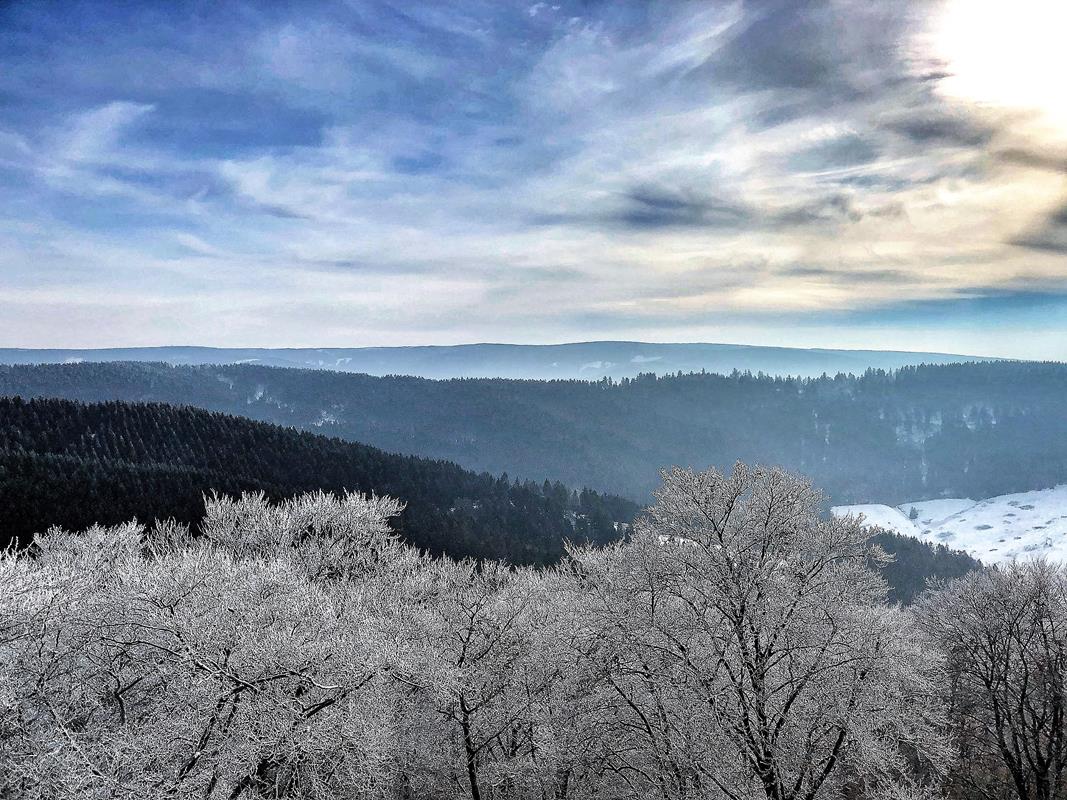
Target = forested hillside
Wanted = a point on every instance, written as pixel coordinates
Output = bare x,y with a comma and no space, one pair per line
71,464
960,430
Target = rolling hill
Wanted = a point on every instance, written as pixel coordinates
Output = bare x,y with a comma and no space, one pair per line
580,360
74,464
955,430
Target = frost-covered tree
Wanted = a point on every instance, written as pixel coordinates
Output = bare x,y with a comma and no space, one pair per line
151,665
736,646
749,647
479,636
1004,632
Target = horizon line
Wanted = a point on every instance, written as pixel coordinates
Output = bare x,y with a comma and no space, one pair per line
519,344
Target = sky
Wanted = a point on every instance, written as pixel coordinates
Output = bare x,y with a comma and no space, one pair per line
831,173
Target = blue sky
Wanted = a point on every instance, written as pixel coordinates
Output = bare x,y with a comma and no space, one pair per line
814,173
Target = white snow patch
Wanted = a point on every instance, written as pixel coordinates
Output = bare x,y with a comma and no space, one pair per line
933,512
998,529
881,516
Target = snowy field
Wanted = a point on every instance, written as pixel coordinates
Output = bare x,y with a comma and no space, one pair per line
998,529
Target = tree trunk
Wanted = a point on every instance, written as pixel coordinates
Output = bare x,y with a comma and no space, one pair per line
469,748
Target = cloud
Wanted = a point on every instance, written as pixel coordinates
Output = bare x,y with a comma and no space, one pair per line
651,208
92,135
1050,162
1049,235
934,126
828,50
847,150
559,170
870,276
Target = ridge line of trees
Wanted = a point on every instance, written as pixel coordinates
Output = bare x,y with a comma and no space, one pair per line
954,430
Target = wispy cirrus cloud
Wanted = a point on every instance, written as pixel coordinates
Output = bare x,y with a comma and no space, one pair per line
404,172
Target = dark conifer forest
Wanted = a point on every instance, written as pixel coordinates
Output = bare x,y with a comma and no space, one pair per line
74,465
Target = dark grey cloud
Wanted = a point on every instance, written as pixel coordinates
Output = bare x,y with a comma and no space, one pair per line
1049,235
649,208
652,208
831,50
781,46
784,108
1049,162
925,126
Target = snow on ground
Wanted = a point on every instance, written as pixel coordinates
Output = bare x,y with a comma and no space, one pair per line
998,529
883,516
934,512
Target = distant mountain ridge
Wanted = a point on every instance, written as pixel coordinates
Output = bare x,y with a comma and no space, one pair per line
579,360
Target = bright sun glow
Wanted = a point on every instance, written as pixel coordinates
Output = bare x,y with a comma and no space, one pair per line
1006,53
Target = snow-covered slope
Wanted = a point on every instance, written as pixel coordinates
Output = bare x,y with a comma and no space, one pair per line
1003,528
